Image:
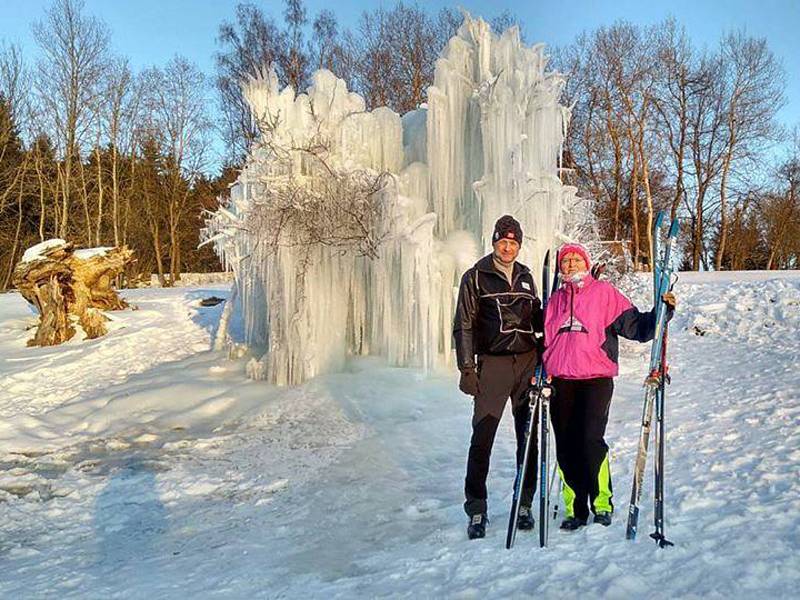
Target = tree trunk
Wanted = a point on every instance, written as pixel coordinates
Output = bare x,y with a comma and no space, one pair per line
649,199
64,216
723,209
115,193
634,195
42,210
127,206
99,198
59,209
66,287
155,233
697,237
85,201
617,173
15,247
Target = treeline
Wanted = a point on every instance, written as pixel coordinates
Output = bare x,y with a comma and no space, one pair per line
388,57
95,153
658,124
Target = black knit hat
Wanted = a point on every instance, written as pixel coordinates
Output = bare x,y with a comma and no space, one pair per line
507,227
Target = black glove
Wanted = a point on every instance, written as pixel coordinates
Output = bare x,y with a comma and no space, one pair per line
598,270
540,348
469,382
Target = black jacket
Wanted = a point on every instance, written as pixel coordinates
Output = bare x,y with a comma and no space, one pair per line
495,318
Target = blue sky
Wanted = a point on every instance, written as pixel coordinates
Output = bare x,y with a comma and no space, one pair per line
151,31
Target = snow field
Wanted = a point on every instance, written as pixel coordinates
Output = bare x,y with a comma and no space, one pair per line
188,479
44,378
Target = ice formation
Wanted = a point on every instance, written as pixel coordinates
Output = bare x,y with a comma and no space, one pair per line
488,142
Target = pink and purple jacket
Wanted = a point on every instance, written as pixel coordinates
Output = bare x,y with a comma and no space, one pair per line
582,323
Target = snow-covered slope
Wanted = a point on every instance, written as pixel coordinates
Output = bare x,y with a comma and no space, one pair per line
162,471
55,396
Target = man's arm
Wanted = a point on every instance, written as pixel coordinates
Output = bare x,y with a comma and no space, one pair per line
464,321
538,328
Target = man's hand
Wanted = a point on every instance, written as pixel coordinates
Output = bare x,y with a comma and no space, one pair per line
469,382
670,300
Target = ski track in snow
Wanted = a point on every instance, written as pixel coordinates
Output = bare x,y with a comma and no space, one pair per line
351,485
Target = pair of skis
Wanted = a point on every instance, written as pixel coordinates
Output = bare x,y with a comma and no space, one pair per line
657,378
539,396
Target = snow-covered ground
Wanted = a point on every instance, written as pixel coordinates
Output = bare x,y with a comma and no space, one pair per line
144,465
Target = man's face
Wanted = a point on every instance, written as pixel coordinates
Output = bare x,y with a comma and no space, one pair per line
572,262
506,250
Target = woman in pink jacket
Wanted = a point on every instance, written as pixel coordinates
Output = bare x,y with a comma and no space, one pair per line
583,320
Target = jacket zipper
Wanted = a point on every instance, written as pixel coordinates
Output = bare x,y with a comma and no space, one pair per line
571,306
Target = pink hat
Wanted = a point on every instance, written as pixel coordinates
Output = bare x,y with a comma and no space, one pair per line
577,249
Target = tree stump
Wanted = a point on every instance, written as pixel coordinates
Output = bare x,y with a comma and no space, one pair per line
67,286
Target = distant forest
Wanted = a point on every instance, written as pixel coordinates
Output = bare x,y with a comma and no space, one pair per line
95,153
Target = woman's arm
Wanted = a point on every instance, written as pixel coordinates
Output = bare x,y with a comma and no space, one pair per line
633,324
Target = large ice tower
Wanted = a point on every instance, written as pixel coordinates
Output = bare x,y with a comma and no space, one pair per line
487,143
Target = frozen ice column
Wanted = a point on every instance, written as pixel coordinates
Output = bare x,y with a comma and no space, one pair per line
488,142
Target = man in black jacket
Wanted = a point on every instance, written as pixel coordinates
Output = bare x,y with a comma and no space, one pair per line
499,319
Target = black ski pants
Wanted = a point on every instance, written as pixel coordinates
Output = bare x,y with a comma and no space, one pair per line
579,413
500,378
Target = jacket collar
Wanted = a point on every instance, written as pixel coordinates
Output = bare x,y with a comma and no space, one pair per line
577,286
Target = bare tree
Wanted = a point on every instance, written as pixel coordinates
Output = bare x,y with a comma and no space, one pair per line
413,38
657,124
753,94
74,49
395,52
327,206
707,147
119,114
14,82
177,119
374,67
783,211
587,146
506,20
676,84
628,52
613,146
15,163
294,59
325,41
249,45
329,48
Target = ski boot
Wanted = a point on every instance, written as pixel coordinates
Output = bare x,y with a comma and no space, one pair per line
572,523
604,518
525,519
477,526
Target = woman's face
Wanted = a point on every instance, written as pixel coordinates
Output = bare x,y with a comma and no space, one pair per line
572,263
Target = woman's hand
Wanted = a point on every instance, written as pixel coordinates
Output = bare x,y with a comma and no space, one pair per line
670,300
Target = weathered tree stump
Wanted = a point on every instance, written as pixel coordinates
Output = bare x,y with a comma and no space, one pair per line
67,285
